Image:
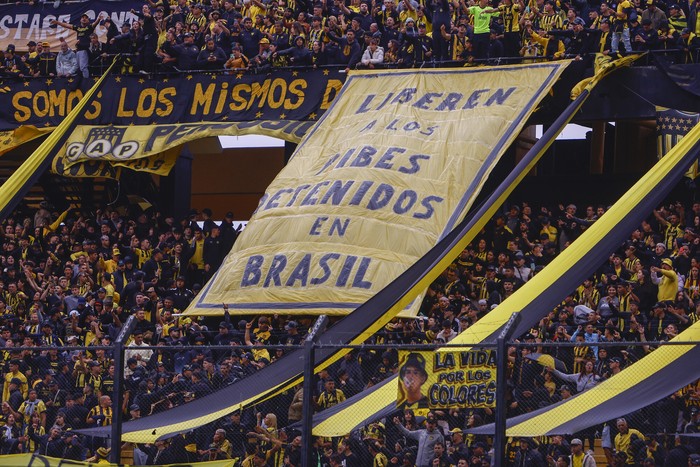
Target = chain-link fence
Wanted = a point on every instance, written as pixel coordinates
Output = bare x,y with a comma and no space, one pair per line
375,401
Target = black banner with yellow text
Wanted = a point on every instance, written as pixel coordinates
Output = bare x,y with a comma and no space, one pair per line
186,98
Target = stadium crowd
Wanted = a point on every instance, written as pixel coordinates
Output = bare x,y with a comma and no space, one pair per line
263,35
70,281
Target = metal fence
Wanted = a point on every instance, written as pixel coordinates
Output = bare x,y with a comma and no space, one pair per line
50,392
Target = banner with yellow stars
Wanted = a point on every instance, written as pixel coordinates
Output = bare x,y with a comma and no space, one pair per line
202,98
671,126
391,168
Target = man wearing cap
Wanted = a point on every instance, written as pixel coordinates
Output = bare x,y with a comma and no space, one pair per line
578,457
46,61
581,43
653,14
676,17
426,438
83,31
666,279
185,53
12,65
293,337
528,455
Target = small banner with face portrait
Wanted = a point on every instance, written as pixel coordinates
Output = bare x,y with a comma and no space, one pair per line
430,380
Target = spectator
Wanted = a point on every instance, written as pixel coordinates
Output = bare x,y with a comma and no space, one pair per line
426,438
83,30
66,62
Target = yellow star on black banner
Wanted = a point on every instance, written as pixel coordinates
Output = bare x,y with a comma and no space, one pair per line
325,72
189,77
225,117
295,73
141,80
312,116
165,80
26,84
70,80
283,116
118,79
213,76
239,75
258,115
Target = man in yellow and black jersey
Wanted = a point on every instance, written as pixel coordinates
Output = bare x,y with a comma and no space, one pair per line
197,17
460,47
510,13
620,28
101,414
672,226
549,19
330,396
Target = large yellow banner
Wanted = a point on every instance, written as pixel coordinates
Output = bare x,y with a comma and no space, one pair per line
390,168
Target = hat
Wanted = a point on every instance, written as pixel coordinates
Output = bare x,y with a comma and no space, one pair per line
564,387
116,251
616,360
410,20
483,302
264,40
579,21
10,48
31,44
223,325
659,305
674,7
187,34
134,407
82,301
662,245
455,431
16,381
694,459
576,441
694,410
414,360
291,324
646,22
45,44
248,355
667,262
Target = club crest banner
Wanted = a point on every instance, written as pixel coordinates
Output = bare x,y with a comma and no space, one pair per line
391,167
429,380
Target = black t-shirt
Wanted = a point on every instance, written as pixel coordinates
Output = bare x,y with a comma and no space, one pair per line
83,33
